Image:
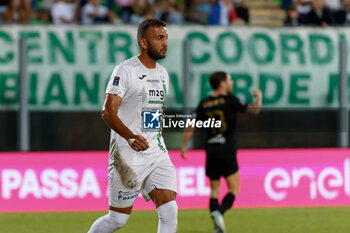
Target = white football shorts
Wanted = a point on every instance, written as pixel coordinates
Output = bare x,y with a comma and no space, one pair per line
159,175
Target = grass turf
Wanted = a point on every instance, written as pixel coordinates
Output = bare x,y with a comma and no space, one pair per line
283,220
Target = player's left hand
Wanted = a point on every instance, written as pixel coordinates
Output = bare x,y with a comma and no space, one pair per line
257,94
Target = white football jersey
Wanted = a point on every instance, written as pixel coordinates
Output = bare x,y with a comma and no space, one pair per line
143,92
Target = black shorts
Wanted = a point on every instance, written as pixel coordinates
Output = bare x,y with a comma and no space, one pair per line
217,167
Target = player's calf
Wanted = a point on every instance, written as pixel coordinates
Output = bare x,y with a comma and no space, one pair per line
227,202
167,214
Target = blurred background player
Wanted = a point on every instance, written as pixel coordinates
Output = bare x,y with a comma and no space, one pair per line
136,163
220,145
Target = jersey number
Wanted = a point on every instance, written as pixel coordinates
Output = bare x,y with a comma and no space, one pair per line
219,115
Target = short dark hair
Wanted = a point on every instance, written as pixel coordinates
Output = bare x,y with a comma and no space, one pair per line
216,78
146,24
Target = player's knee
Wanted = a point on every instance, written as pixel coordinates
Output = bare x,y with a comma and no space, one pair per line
214,193
234,191
117,220
167,212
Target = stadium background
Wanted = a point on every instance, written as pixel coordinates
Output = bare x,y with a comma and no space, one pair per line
297,69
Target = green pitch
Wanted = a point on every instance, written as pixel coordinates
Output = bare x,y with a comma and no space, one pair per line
284,220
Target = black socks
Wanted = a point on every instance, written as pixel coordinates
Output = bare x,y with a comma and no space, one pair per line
226,204
214,204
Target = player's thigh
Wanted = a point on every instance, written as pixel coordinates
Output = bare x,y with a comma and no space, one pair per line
121,198
232,182
161,184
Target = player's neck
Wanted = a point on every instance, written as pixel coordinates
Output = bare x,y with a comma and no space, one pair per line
147,61
219,92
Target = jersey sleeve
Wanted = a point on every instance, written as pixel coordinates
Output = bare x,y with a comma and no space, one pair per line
167,81
118,82
238,104
200,114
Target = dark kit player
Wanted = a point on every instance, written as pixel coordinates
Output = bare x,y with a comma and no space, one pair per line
220,144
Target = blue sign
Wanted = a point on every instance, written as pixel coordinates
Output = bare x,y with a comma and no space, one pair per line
152,119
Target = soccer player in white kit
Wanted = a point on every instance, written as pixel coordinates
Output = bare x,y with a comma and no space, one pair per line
133,106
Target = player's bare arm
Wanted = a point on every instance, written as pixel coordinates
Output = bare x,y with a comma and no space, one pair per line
110,117
254,108
63,20
186,138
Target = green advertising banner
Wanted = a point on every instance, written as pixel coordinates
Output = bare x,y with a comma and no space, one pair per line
68,67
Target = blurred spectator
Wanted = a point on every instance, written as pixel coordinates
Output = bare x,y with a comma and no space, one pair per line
3,7
42,10
242,10
333,5
63,12
79,4
18,11
303,8
292,17
42,17
141,11
319,15
168,11
346,4
26,4
47,4
224,13
342,17
286,4
198,11
93,12
125,9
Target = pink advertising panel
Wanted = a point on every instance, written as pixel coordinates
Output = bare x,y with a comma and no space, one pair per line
77,181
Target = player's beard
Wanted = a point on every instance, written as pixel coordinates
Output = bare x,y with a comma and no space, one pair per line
152,53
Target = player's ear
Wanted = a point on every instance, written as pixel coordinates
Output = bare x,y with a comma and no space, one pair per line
143,43
222,84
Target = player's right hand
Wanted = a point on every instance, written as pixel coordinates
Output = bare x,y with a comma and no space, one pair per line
183,151
138,143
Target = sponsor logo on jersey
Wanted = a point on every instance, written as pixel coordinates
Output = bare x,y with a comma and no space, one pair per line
152,119
128,195
217,139
153,80
142,76
156,93
116,81
143,94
